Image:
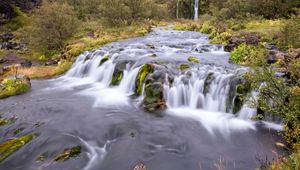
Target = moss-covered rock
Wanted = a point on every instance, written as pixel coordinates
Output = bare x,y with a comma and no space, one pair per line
11,146
154,98
237,104
14,86
144,71
117,78
209,79
68,153
103,60
183,66
193,60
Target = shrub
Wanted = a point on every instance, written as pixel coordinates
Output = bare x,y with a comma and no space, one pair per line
19,21
53,24
249,54
290,34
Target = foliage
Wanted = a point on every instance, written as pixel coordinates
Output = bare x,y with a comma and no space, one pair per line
248,54
53,24
290,35
280,97
19,21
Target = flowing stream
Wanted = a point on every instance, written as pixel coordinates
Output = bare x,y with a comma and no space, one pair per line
198,130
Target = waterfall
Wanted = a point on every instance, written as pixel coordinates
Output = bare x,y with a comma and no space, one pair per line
177,9
196,9
205,88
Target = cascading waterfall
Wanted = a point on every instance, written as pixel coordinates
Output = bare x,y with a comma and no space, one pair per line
196,9
206,88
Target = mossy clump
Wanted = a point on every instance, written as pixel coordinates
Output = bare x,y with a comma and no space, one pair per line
193,59
104,59
183,66
154,98
3,121
9,147
144,71
68,153
15,86
117,77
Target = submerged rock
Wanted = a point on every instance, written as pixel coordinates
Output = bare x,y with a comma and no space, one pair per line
140,167
68,153
11,146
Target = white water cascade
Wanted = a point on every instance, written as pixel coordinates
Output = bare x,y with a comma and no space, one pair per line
196,9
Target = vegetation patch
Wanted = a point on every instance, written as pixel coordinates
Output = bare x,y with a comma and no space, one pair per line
11,146
183,66
16,86
193,60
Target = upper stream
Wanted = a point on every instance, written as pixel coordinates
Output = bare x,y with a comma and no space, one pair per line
199,127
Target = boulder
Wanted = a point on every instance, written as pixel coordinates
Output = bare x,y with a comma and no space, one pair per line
250,38
294,53
6,37
26,63
144,71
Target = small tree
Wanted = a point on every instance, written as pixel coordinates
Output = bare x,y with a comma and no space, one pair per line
53,24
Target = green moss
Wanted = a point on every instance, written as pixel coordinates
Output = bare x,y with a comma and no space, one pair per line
221,38
237,104
144,71
193,59
249,54
9,147
154,97
117,77
68,153
104,59
11,87
183,66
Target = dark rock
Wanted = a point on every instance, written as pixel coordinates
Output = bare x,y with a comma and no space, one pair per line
2,60
6,37
229,47
26,63
248,38
51,63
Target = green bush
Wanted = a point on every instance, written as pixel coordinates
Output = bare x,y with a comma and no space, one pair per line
249,54
19,21
290,34
53,24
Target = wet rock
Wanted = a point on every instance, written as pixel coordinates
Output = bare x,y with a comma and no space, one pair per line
144,71
26,63
117,77
237,103
68,153
103,60
150,46
154,99
11,146
275,55
209,79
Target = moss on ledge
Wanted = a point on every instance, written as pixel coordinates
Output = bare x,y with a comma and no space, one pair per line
144,71
193,60
183,66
